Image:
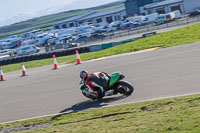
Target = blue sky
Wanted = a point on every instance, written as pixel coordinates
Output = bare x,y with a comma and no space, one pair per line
10,8
17,10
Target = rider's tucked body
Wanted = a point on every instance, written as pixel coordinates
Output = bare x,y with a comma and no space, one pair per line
94,84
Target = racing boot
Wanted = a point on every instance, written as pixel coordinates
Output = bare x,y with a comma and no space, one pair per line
109,93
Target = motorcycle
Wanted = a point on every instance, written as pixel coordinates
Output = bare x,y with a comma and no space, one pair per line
115,86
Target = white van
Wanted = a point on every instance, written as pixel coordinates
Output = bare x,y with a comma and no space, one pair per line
152,17
137,19
177,14
26,50
10,52
161,19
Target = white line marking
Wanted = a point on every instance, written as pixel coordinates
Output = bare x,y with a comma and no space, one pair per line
63,65
154,99
139,101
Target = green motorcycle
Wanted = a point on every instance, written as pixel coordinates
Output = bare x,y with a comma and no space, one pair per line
115,86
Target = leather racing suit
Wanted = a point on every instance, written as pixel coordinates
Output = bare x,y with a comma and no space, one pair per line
95,84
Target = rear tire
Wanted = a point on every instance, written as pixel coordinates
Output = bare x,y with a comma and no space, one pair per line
124,87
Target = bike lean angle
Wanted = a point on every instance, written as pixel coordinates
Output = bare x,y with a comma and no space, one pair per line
115,86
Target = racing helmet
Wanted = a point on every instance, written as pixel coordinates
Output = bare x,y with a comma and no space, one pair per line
83,75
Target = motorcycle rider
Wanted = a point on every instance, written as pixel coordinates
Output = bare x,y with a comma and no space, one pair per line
94,84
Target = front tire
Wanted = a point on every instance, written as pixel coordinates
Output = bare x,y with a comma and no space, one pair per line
124,87
89,96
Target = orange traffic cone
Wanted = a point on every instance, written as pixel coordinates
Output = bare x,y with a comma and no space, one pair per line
78,59
24,73
2,78
55,62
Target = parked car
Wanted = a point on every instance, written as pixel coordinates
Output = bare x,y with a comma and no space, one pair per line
195,13
161,19
26,50
177,14
151,17
173,15
82,36
60,32
99,29
28,42
42,39
10,52
98,36
4,45
87,28
13,36
127,25
170,17
10,43
138,19
71,45
114,26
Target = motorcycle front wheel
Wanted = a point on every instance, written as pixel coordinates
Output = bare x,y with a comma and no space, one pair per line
89,96
124,87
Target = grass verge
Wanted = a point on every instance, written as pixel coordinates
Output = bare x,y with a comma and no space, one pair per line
172,38
166,115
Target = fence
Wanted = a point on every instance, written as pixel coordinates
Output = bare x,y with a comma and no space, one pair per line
143,29
43,56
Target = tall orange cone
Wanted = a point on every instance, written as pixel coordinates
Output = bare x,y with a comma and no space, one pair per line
78,59
2,78
24,73
55,62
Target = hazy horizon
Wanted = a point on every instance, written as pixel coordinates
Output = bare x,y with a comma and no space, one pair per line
22,10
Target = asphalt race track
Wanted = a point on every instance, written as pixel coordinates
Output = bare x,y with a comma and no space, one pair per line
155,74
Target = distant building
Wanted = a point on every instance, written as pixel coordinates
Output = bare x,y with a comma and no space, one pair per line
106,16
184,6
143,7
133,6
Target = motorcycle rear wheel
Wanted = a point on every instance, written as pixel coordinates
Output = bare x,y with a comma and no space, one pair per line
124,87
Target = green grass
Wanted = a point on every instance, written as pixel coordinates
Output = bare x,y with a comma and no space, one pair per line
172,38
167,115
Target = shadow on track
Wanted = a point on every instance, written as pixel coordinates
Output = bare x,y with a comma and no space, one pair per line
89,104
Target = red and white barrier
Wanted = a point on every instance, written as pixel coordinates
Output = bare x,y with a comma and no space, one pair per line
2,77
78,59
55,62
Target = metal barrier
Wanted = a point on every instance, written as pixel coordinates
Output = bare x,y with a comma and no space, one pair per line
143,29
43,56
148,34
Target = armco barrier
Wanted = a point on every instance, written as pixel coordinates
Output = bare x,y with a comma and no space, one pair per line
116,43
37,57
148,34
40,56
22,59
43,56
3,62
106,45
126,41
9,61
94,48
